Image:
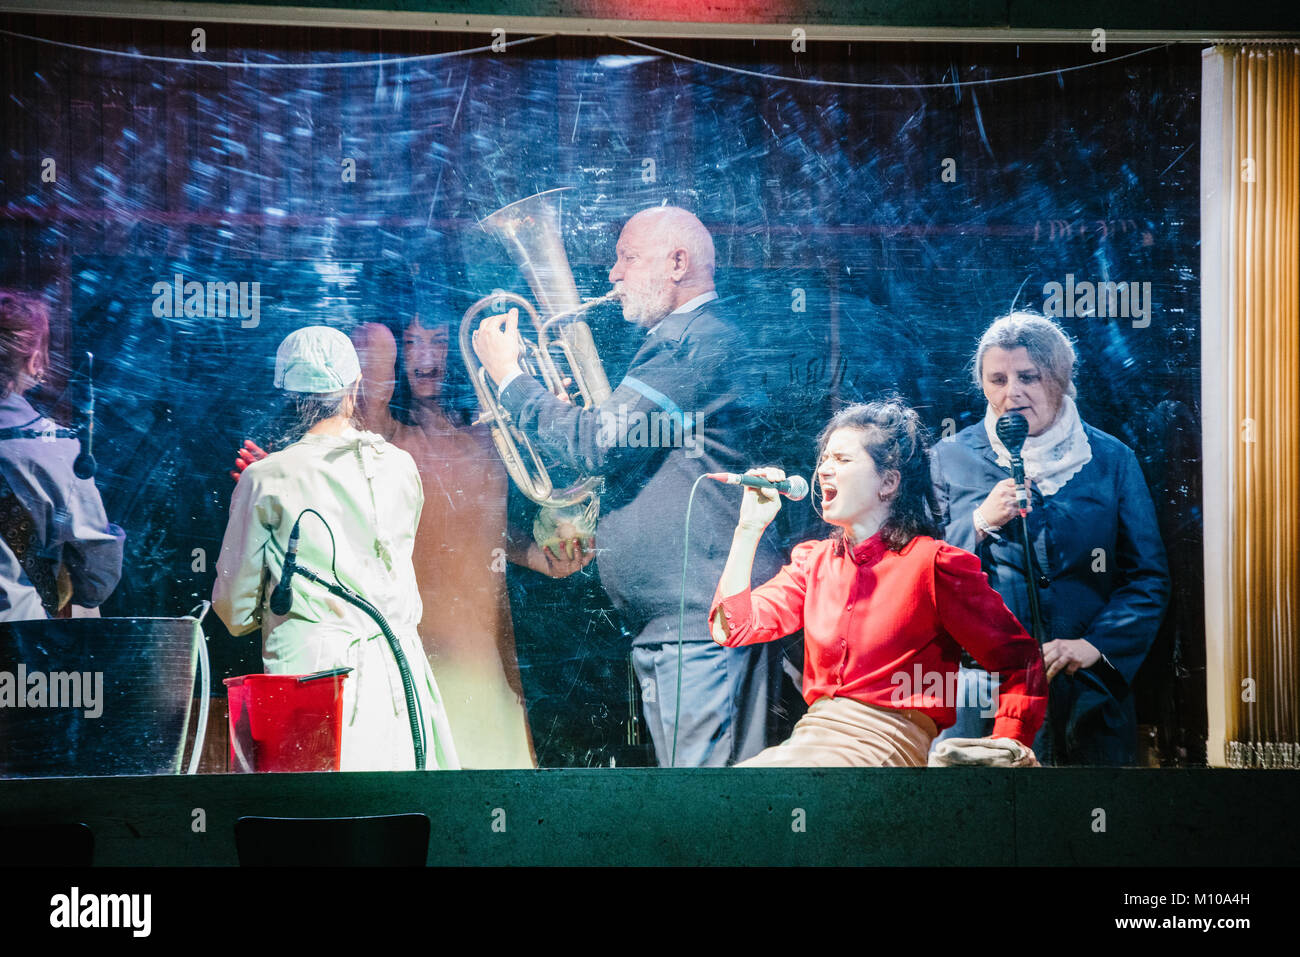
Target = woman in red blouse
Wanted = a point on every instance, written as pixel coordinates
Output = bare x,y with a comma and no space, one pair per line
885,607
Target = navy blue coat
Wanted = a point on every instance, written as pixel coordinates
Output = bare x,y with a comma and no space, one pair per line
1097,543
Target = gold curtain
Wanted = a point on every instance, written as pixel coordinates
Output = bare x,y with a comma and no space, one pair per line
1261,643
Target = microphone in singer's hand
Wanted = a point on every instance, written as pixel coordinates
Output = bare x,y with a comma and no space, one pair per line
1013,429
282,597
794,488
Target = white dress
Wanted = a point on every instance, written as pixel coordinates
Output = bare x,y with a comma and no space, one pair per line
370,495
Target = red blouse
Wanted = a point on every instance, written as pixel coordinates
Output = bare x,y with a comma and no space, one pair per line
883,628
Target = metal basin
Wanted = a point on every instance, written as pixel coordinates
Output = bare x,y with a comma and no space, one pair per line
98,696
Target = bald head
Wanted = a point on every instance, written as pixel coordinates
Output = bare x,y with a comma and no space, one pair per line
674,228
665,259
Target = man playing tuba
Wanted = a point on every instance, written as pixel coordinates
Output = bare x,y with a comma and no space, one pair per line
681,410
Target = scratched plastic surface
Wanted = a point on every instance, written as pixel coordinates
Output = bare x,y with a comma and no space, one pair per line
871,233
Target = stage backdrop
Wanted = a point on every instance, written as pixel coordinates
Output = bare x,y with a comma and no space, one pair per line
874,207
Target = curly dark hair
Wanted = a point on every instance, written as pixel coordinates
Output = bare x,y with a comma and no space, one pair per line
24,333
895,438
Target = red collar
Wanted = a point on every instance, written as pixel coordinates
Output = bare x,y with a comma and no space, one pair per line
866,553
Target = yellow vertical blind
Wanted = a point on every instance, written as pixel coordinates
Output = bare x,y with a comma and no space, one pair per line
1262,662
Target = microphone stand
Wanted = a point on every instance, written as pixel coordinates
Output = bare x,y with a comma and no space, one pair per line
1103,676
1031,582
83,467
403,669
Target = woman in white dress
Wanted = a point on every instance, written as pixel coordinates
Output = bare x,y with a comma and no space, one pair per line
369,494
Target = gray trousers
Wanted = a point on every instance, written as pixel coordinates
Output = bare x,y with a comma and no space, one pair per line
726,700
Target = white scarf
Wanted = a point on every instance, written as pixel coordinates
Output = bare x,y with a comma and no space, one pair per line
1055,456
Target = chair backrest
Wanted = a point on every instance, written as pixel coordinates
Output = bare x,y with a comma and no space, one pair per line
388,840
42,843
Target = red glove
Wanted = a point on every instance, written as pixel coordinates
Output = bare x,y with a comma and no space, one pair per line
245,457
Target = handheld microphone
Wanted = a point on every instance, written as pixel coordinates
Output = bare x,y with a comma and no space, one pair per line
794,488
1013,428
282,597
83,467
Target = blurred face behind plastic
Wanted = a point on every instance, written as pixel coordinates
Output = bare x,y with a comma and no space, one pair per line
424,353
1014,383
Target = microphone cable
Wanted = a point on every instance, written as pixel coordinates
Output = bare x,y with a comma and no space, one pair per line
334,549
414,709
681,620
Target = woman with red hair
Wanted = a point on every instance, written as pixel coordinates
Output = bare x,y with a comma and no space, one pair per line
58,553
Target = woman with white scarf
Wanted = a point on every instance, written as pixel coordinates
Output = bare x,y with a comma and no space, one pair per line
1098,562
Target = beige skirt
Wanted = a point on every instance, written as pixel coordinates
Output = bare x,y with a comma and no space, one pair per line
842,732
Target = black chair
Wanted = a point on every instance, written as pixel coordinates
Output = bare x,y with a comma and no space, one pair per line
386,840
46,844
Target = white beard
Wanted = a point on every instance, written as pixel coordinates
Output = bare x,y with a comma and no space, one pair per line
647,307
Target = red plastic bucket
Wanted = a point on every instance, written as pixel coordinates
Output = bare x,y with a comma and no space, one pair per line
279,723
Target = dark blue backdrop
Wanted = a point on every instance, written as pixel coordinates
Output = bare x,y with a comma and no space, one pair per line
861,266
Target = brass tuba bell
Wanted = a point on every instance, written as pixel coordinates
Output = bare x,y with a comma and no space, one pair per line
530,231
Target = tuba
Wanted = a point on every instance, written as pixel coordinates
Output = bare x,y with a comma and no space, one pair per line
530,231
